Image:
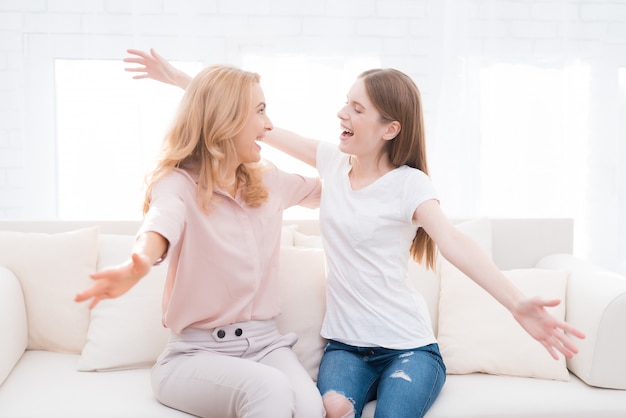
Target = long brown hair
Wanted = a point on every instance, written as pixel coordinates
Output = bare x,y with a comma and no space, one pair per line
213,110
397,98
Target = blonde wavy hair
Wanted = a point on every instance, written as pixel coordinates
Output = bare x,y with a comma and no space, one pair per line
213,110
397,98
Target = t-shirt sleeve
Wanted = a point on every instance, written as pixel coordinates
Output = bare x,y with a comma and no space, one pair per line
328,156
417,189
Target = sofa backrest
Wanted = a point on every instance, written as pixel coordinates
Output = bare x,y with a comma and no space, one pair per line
517,243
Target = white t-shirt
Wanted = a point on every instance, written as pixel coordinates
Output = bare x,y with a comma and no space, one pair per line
367,235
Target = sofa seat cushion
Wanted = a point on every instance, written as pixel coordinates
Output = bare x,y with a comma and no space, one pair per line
47,384
487,396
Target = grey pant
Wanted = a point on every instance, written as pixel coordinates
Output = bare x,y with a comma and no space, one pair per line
241,370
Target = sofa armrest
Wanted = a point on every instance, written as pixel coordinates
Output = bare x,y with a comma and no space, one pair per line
13,322
596,304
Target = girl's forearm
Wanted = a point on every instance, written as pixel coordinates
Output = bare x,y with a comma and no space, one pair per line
304,149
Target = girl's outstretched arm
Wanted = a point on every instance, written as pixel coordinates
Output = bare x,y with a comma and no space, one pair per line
304,149
467,256
156,67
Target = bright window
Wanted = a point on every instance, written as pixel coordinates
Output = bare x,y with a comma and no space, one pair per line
109,128
534,129
534,125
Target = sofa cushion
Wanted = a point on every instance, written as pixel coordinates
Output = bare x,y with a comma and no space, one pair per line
125,332
287,235
477,334
13,322
427,281
47,385
51,269
302,277
305,240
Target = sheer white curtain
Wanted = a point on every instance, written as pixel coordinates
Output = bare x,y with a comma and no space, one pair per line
531,125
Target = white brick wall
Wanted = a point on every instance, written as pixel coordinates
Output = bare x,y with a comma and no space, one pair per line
409,34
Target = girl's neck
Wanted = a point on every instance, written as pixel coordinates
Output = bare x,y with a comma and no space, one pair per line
365,171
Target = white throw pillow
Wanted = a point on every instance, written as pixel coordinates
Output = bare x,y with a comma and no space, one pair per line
477,334
125,332
304,240
427,281
287,235
51,269
303,291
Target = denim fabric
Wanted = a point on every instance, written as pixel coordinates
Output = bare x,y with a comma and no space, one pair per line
404,382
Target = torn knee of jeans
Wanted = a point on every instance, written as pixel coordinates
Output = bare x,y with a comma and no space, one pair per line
338,405
399,374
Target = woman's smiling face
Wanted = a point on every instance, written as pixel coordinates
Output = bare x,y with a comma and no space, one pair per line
248,151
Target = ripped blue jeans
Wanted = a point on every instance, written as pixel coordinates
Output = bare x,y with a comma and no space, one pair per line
404,382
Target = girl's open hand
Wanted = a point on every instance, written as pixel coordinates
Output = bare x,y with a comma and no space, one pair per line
549,331
154,66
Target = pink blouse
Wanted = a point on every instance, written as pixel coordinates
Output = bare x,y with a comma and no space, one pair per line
223,265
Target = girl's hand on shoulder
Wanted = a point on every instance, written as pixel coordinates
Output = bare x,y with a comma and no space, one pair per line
532,315
115,281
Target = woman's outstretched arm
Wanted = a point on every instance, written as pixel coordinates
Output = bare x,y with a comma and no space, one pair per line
115,281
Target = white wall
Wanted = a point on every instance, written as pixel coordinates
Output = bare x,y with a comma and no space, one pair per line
416,36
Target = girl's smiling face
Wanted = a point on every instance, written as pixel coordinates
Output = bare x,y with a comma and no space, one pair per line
363,131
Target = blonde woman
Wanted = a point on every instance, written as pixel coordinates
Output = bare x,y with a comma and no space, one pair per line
215,212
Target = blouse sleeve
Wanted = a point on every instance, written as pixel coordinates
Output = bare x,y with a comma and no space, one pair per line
296,189
166,215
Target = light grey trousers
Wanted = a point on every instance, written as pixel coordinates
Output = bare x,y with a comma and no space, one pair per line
244,370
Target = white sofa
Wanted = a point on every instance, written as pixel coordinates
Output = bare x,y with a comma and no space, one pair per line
58,359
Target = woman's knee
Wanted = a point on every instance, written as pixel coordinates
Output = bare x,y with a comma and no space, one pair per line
270,387
308,402
337,405
260,392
